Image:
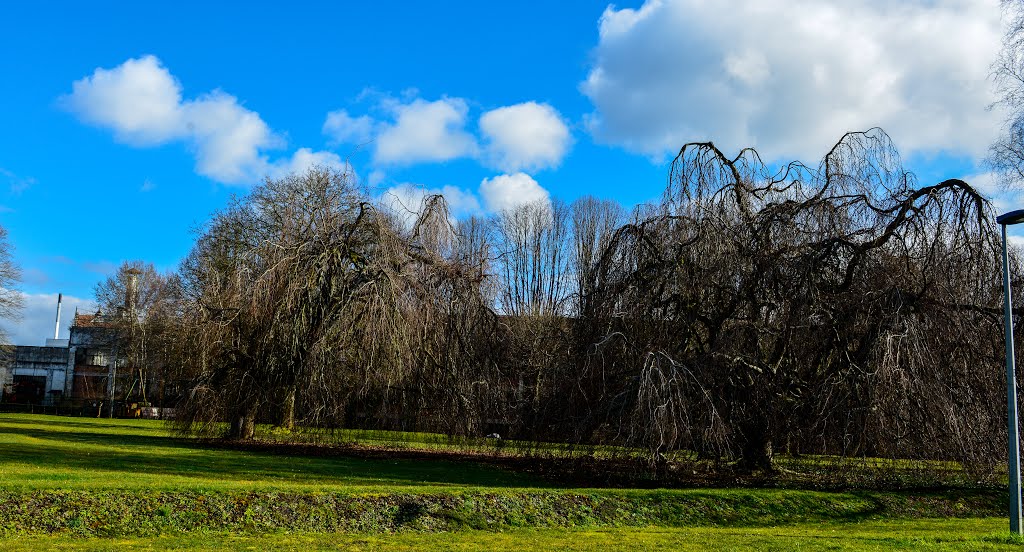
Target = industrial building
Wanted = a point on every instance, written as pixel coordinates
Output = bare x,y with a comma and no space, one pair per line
77,370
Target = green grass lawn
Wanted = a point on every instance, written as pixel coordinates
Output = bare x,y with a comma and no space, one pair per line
51,452
965,535
99,484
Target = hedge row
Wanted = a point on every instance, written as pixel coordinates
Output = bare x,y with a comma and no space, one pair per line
121,513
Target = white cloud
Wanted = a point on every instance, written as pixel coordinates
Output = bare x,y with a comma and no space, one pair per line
527,136
305,158
343,128
510,190
406,201
987,183
409,197
1003,199
750,67
424,131
375,177
498,193
228,138
790,77
141,101
408,130
38,317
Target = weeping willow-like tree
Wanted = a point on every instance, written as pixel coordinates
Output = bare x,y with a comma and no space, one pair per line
313,306
838,309
841,309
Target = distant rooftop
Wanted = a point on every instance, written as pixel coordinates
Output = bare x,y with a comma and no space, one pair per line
97,320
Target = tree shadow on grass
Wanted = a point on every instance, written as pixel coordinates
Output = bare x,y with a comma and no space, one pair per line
169,456
59,423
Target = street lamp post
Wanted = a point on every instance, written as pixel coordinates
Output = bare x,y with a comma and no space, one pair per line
1013,472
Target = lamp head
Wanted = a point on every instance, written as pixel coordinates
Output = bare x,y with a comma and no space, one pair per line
1013,217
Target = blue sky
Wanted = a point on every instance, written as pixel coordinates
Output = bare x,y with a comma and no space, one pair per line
125,125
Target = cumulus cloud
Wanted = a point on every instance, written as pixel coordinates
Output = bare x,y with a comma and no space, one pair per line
142,103
1003,199
406,201
376,177
499,193
527,136
987,183
305,158
789,77
228,139
424,131
344,128
38,317
510,190
139,100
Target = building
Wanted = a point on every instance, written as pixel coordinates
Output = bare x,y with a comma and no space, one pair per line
35,375
77,369
92,354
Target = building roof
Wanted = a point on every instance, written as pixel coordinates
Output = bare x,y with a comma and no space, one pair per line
97,320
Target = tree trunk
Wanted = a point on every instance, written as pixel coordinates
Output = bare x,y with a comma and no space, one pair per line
288,410
757,447
242,427
248,427
142,387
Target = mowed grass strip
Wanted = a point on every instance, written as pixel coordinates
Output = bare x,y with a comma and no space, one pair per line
51,452
96,477
927,534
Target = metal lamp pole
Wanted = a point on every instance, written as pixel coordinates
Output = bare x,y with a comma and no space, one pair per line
1013,472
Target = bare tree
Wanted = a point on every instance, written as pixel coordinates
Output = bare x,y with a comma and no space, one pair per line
840,310
594,221
265,280
759,308
314,305
143,307
533,259
1006,155
11,299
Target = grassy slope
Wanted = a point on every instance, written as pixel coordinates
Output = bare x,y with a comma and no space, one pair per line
72,478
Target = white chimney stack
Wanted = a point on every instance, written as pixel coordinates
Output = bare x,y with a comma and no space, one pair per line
56,325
